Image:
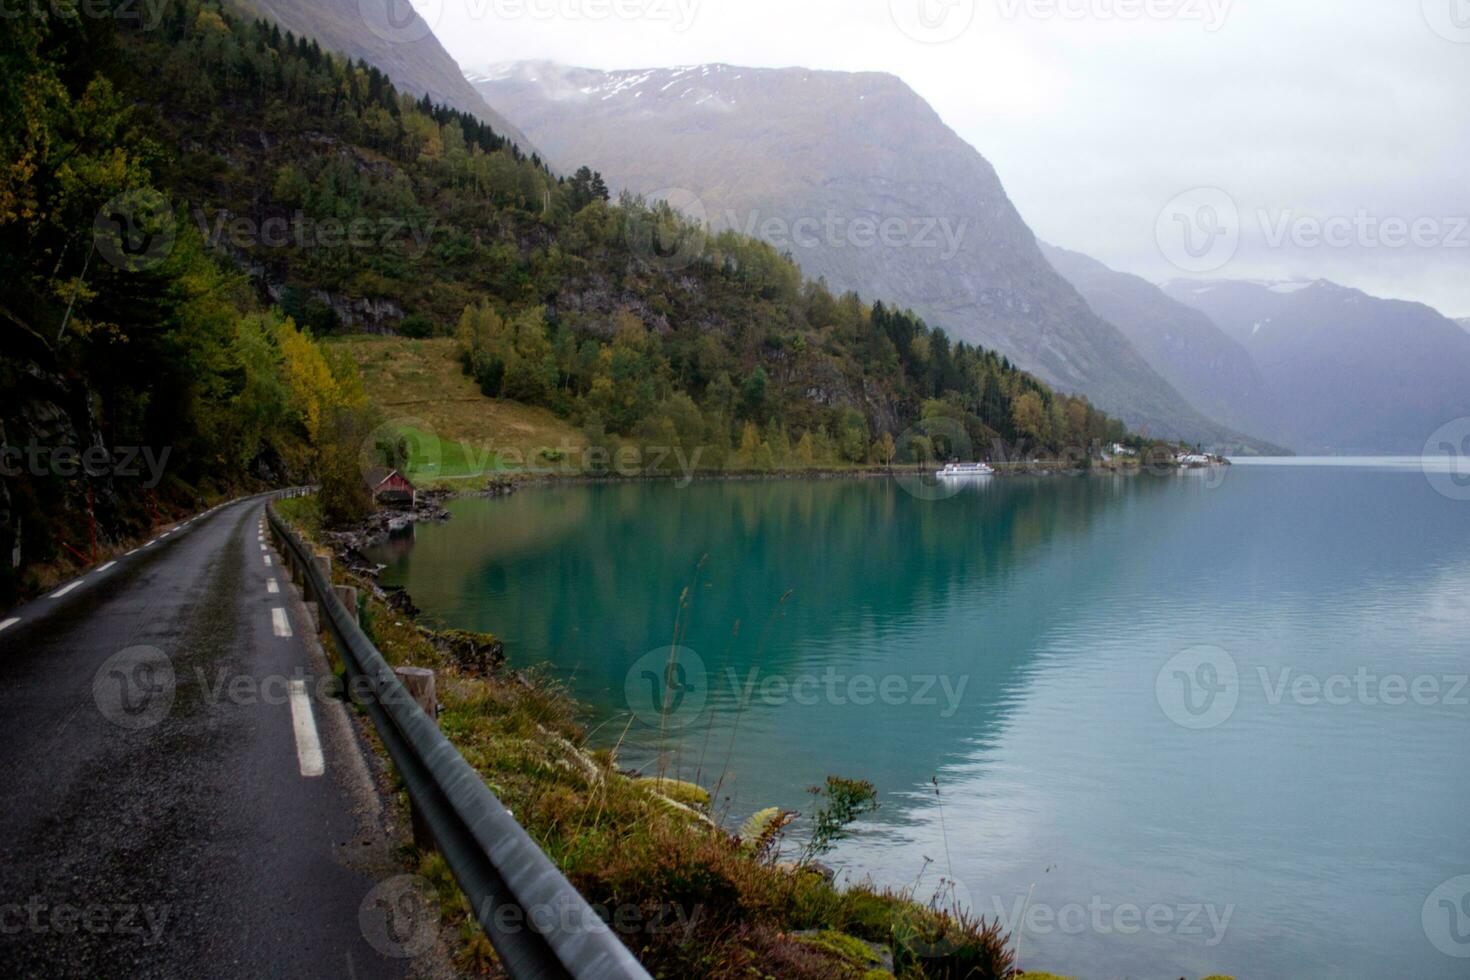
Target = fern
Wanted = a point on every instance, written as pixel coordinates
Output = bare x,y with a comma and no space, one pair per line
760,834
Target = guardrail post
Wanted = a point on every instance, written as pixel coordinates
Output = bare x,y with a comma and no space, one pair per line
324,565
314,611
347,595
419,682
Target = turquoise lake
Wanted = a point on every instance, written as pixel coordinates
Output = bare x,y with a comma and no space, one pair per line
1183,724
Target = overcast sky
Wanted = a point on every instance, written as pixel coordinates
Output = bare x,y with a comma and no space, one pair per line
1330,137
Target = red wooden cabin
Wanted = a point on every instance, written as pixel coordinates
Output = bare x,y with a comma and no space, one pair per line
395,489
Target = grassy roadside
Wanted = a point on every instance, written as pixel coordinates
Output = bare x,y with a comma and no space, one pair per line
689,898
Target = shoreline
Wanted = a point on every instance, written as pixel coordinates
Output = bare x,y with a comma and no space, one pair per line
386,520
511,481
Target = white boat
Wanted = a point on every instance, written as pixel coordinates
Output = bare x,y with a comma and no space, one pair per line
957,471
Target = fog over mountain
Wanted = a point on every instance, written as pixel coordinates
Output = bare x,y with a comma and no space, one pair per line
1211,368
864,184
1099,114
1350,372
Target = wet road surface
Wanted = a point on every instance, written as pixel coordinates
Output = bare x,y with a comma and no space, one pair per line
182,797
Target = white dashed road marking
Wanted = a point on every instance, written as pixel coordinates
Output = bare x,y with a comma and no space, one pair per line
271,586
279,622
9,622
308,746
103,568
267,560
64,590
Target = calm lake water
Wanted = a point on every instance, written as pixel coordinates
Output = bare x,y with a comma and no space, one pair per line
1207,722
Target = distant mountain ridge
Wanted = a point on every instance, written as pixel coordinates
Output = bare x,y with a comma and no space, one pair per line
1351,373
1209,367
817,162
392,37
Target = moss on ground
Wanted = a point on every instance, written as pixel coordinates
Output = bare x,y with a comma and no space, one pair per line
677,790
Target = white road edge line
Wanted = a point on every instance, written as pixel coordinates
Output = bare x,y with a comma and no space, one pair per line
271,586
9,622
64,590
279,622
308,745
103,568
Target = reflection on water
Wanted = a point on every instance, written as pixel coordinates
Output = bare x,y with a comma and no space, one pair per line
1008,643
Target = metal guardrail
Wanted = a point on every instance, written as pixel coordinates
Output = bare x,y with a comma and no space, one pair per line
537,922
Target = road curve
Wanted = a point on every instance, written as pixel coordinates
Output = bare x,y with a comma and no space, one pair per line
175,806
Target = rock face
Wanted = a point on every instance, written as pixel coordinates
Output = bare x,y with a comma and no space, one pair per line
1209,367
864,184
1351,373
392,37
477,654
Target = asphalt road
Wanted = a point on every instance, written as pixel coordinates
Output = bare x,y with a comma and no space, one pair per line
164,814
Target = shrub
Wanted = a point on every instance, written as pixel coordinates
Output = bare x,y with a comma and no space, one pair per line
418,326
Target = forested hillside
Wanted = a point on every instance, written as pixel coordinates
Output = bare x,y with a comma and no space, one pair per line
392,37
183,208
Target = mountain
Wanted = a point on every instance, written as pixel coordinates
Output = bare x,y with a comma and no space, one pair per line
857,177
1464,323
243,195
392,37
1351,373
1210,368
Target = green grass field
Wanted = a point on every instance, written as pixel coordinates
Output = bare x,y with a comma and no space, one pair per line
454,433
